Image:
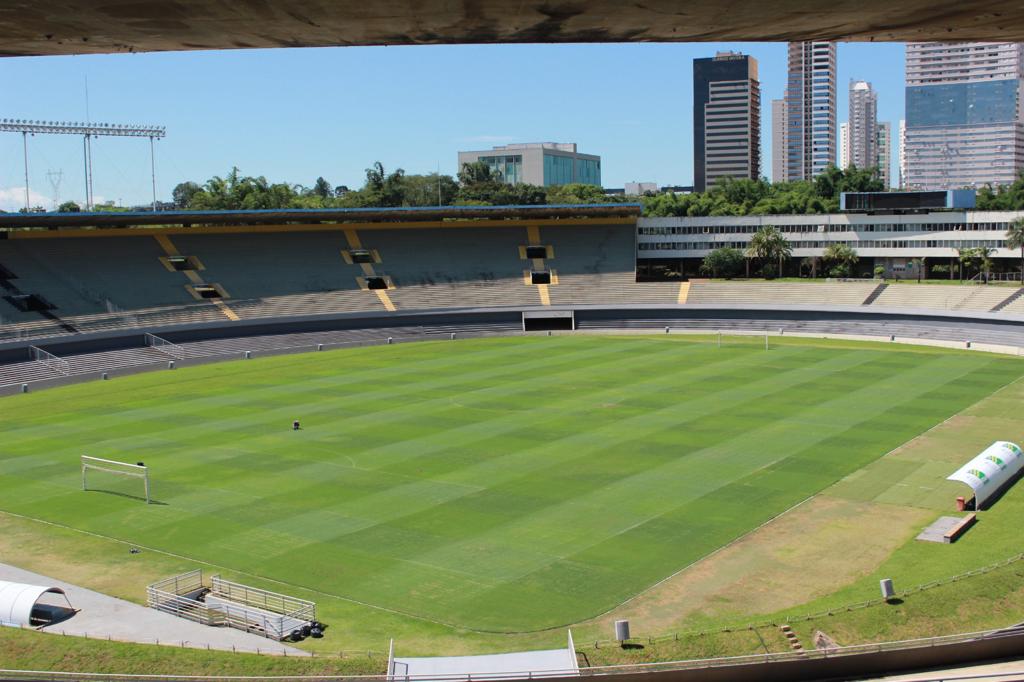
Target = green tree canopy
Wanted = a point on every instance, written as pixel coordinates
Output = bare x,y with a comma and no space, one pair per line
841,258
723,262
1015,240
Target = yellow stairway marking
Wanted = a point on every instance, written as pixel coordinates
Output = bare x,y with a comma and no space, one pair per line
545,296
385,299
684,292
353,239
228,312
171,250
533,235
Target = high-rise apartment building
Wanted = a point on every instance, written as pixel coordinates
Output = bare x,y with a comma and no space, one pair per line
884,158
726,119
539,163
778,140
844,145
964,115
901,151
863,125
810,109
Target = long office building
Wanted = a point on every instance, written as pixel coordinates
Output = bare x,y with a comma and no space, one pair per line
810,110
892,241
539,163
964,117
726,119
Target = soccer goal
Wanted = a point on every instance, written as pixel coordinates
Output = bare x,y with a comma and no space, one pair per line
97,472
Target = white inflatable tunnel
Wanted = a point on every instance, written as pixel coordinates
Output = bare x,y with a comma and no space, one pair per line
987,473
19,601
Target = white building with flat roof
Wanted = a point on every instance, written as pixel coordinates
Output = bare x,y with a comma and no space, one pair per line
539,163
892,241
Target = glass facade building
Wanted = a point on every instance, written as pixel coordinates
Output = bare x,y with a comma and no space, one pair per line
964,124
810,133
540,163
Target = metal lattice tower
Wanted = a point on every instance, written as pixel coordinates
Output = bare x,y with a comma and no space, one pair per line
87,131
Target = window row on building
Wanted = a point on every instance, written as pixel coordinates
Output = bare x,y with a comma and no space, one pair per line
820,244
836,228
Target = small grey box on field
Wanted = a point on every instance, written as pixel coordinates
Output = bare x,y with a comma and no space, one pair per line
621,630
887,589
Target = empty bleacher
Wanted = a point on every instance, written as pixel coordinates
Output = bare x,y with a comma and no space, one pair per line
93,275
453,267
944,297
106,283
597,265
781,293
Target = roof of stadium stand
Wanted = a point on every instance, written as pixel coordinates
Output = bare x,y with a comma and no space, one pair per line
18,599
317,215
30,27
991,470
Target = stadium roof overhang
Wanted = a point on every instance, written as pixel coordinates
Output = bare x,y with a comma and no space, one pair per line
30,27
417,215
18,600
990,471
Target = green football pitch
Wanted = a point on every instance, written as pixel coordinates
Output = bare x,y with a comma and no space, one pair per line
501,485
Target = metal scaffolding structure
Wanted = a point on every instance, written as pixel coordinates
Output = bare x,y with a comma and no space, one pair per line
87,131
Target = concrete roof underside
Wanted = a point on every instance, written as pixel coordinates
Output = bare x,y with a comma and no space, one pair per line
31,27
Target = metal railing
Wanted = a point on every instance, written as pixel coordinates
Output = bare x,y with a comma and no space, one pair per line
227,603
51,361
695,664
164,346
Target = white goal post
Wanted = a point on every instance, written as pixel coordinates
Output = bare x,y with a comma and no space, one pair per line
111,466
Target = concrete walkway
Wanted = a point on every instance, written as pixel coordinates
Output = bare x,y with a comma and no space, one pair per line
103,617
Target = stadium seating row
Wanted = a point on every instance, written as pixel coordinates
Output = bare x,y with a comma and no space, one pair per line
101,283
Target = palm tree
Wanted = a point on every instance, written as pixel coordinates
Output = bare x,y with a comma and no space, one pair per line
843,255
1015,240
768,244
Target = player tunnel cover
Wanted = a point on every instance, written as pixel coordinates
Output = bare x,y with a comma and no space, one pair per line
22,604
988,472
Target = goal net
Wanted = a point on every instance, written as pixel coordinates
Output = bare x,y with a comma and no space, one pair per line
111,476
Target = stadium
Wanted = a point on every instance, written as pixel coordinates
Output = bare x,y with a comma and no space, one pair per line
451,434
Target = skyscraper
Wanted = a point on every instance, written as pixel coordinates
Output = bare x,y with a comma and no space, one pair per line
863,125
884,158
844,145
901,150
964,118
778,140
726,119
810,109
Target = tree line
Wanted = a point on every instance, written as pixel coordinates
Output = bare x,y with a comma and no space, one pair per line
476,184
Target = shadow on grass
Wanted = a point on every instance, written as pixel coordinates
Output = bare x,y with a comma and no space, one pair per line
127,495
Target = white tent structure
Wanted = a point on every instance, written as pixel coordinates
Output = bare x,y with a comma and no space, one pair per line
18,601
991,470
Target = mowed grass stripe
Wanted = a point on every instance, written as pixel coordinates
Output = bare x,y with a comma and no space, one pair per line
527,483
305,378
630,500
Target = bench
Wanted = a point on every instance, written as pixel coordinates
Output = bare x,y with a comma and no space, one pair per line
959,529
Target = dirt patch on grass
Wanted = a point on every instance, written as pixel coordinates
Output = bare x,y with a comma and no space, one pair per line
809,552
102,565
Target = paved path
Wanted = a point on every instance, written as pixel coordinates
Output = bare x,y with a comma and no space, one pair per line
103,617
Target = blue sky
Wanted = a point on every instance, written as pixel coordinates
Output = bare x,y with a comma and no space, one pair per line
292,115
